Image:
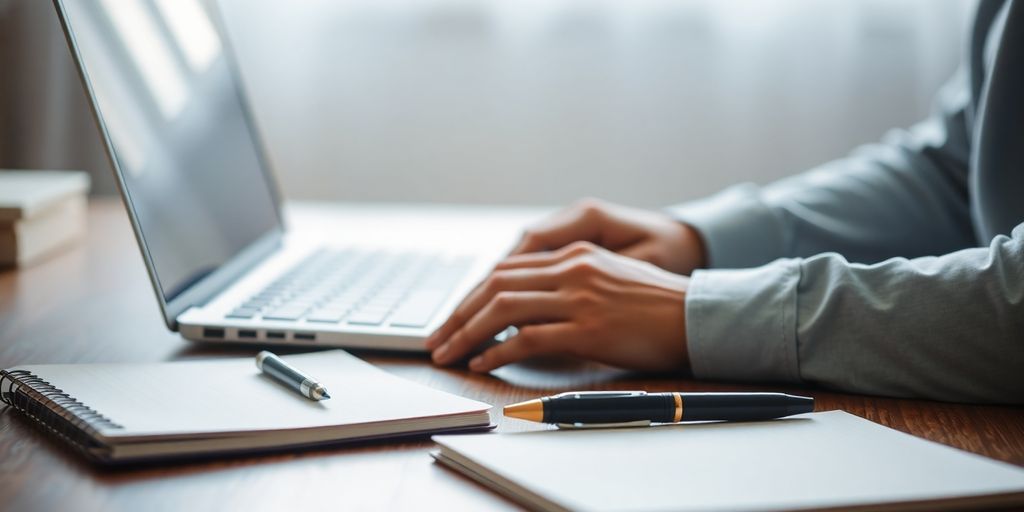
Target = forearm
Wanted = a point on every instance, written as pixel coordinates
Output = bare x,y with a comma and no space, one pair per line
947,328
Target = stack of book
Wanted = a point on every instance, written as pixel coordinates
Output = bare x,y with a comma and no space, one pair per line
41,212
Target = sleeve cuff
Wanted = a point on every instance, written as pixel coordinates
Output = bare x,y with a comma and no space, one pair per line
741,324
739,230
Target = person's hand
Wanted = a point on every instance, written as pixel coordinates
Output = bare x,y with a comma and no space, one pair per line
581,301
642,234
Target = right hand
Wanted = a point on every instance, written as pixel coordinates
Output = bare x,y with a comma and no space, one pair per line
641,234
581,301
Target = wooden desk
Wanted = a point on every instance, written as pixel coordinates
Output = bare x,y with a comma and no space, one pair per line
94,303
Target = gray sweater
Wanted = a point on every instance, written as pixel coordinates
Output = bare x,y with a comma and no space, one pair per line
896,271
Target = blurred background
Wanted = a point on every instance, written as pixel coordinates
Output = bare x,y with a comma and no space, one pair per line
647,102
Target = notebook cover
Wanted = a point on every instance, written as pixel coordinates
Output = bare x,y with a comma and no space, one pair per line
809,462
229,402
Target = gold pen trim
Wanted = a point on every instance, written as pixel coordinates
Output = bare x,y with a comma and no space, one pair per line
531,410
679,408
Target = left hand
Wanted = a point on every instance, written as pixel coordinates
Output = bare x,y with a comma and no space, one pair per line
581,301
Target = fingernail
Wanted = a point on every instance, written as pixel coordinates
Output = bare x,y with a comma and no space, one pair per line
440,352
477,363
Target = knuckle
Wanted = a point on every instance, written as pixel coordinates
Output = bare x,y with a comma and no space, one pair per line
585,298
589,205
580,247
532,237
495,282
458,317
583,267
502,301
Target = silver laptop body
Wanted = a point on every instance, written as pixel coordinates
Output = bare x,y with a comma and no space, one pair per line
207,214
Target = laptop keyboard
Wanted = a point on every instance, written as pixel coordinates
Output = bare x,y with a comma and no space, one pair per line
359,288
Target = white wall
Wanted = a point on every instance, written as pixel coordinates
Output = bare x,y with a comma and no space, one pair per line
528,101
541,101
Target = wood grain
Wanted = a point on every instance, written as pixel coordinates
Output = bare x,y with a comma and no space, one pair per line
94,303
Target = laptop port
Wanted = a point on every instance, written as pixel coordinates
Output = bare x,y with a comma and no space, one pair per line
275,335
209,332
246,334
305,336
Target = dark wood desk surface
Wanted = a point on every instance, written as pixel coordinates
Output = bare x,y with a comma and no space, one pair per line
93,303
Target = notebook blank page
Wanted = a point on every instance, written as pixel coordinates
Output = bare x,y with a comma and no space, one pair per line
232,395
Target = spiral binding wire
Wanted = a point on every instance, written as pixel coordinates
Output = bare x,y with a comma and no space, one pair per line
58,412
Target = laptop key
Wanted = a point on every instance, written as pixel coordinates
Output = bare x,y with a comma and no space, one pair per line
243,313
368,317
358,288
382,303
327,316
339,304
286,314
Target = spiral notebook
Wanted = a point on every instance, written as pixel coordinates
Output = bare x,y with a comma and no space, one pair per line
130,412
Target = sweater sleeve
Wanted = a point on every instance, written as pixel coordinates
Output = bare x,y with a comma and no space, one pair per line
947,327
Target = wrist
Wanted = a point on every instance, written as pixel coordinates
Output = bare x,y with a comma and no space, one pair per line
693,254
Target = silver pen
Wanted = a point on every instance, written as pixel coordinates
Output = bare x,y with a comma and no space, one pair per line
290,376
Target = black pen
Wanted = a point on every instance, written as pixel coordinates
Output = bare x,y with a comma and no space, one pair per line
620,408
290,376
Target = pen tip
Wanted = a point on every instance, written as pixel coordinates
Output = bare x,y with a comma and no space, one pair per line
532,410
325,396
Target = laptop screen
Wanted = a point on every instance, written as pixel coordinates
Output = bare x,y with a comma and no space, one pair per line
183,145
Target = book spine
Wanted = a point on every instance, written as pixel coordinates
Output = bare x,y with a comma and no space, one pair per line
56,411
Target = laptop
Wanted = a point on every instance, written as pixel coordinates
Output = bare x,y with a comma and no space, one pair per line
205,209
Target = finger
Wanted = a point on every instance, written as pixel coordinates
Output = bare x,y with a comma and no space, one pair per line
545,259
532,340
530,260
505,309
642,252
503,280
581,221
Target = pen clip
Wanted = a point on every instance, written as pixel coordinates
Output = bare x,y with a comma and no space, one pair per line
598,394
585,426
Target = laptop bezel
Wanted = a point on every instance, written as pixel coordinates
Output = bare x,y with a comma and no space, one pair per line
198,293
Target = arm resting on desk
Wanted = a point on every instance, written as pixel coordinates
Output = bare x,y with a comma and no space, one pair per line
947,328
